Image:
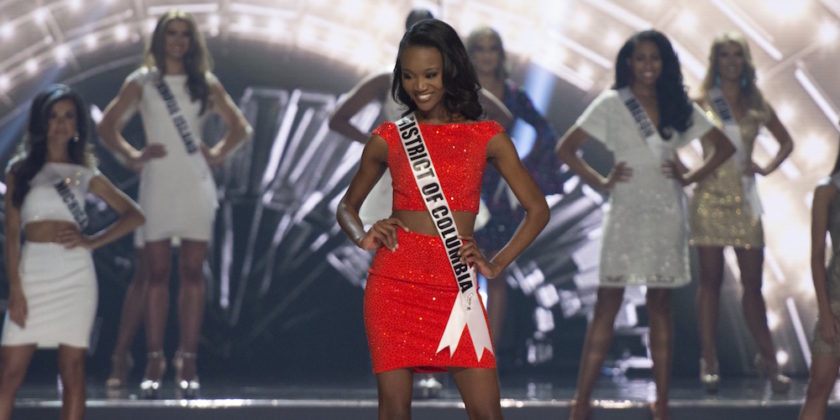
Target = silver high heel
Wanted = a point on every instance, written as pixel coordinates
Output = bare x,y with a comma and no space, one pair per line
779,383
120,370
150,387
709,376
186,388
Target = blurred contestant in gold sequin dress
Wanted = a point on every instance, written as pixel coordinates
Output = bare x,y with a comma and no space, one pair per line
725,209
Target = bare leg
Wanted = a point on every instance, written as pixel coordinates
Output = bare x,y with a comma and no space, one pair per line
159,257
133,312
71,364
480,391
394,392
661,344
755,312
14,360
823,375
191,297
708,300
598,338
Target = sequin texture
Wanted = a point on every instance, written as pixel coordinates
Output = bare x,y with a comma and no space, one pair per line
459,153
720,215
408,297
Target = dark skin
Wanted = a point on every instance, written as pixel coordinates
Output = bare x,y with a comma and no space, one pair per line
422,80
646,66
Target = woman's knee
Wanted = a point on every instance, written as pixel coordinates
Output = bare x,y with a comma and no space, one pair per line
394,407
489,410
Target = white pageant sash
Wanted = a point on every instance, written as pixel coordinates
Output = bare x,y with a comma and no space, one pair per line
185,132
653,140
733,132
76,209
645,125
467,310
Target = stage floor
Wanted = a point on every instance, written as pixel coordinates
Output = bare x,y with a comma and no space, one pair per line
522,398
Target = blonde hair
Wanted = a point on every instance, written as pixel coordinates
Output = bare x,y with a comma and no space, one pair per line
751,95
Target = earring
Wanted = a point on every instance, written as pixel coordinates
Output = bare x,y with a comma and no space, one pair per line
76,138
717,80
743,80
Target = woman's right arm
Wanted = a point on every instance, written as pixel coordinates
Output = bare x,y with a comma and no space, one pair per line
368,90
114,118
566,151
828,325
371,168
17,301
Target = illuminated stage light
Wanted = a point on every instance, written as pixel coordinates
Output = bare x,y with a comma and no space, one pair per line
786,10
613,40
61,53
91,41
245,23
121,32
585,71
40,15
4,82
621,14
31,66
756,34
149,25
687,21
782,357
786,112
773,320
581,21
827,33
7,30
75,5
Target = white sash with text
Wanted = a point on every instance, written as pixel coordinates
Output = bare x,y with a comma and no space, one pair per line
467,310
733,131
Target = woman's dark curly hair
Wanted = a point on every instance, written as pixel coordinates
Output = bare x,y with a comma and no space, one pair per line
460,82
675,109
33,153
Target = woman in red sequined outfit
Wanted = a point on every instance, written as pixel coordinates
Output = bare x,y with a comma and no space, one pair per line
411,289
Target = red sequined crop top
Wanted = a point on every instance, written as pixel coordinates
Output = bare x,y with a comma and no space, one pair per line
459,154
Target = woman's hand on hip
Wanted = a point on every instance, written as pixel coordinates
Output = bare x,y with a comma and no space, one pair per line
383,233
470,254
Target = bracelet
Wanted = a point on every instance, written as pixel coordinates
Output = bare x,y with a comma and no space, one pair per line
358,240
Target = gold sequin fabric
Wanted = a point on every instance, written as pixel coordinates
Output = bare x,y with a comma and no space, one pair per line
408,298
719,213
832,273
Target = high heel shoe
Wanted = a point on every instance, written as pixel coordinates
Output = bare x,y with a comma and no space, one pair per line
779,383
150,387
120,370
709,376
186,388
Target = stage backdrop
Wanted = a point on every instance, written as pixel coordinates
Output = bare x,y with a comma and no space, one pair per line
286,286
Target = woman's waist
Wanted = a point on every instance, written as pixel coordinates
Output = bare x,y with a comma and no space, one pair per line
46,231
421,222
419,258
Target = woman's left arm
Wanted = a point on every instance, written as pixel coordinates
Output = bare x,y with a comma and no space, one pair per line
501,153
782,136
723,149
238,128
130,217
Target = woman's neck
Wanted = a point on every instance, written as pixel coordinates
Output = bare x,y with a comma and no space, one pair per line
731,89
57,156
642,91
174,67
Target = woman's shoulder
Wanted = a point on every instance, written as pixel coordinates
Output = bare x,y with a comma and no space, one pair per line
142,75
387,130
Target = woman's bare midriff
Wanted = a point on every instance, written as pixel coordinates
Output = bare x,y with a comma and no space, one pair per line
421,222
46,230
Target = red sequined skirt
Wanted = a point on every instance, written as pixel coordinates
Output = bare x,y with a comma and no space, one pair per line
408,298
